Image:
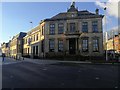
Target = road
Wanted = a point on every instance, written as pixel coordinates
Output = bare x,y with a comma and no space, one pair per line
25,74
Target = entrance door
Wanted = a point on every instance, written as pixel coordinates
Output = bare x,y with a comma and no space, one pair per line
72,45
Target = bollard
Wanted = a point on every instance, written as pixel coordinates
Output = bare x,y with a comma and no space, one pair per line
23,58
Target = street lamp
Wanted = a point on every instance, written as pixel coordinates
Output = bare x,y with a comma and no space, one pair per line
31,25
113,44
106,35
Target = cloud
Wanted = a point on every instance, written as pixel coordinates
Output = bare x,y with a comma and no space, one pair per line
111,5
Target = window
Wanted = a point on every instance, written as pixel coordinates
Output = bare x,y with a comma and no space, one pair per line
85,45
95,45
72,27
33,50
37,37
84,27
95,26
51,45
60,28
42,46
52,29
34,38
29,41
42,30
28,51
60,45
36,50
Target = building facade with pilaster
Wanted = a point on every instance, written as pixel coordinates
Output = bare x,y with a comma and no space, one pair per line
73,33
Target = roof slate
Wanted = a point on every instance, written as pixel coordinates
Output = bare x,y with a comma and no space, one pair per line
20,35
80,15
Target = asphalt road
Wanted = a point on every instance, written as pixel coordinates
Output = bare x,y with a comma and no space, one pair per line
23,74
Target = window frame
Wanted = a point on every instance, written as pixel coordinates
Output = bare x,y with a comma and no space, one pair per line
59,45
51,48
95,26
85,46
85,27
72,27
60,31
96,44
52,29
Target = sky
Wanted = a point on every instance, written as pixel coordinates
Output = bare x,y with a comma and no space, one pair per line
16,16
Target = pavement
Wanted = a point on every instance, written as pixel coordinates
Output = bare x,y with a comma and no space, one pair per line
40,61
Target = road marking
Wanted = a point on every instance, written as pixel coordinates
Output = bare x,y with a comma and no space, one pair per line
116,87
63,84
11,76
97,78
44,69
79,71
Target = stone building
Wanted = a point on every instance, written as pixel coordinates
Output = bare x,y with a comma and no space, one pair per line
73,33
5,48
68,33
33,42
16,45
113,44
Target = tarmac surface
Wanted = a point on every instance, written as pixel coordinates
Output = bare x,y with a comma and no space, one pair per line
31,73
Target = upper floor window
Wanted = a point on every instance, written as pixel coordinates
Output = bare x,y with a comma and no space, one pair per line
34,37
29,40
42,30
95,26
85,45
95,45
51,45
37,37
52,29
60,28
60,45
72,27
85,27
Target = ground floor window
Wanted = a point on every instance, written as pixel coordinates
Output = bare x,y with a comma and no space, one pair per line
95,45
28,51
42,46
51,45
33,50
60,45
36,50
85,45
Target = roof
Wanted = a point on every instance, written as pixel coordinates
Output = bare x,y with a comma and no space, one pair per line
80,15
32,30
20,35
84,14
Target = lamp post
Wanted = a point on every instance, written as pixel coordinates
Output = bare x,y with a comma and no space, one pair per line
113,44
30,40
106,35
